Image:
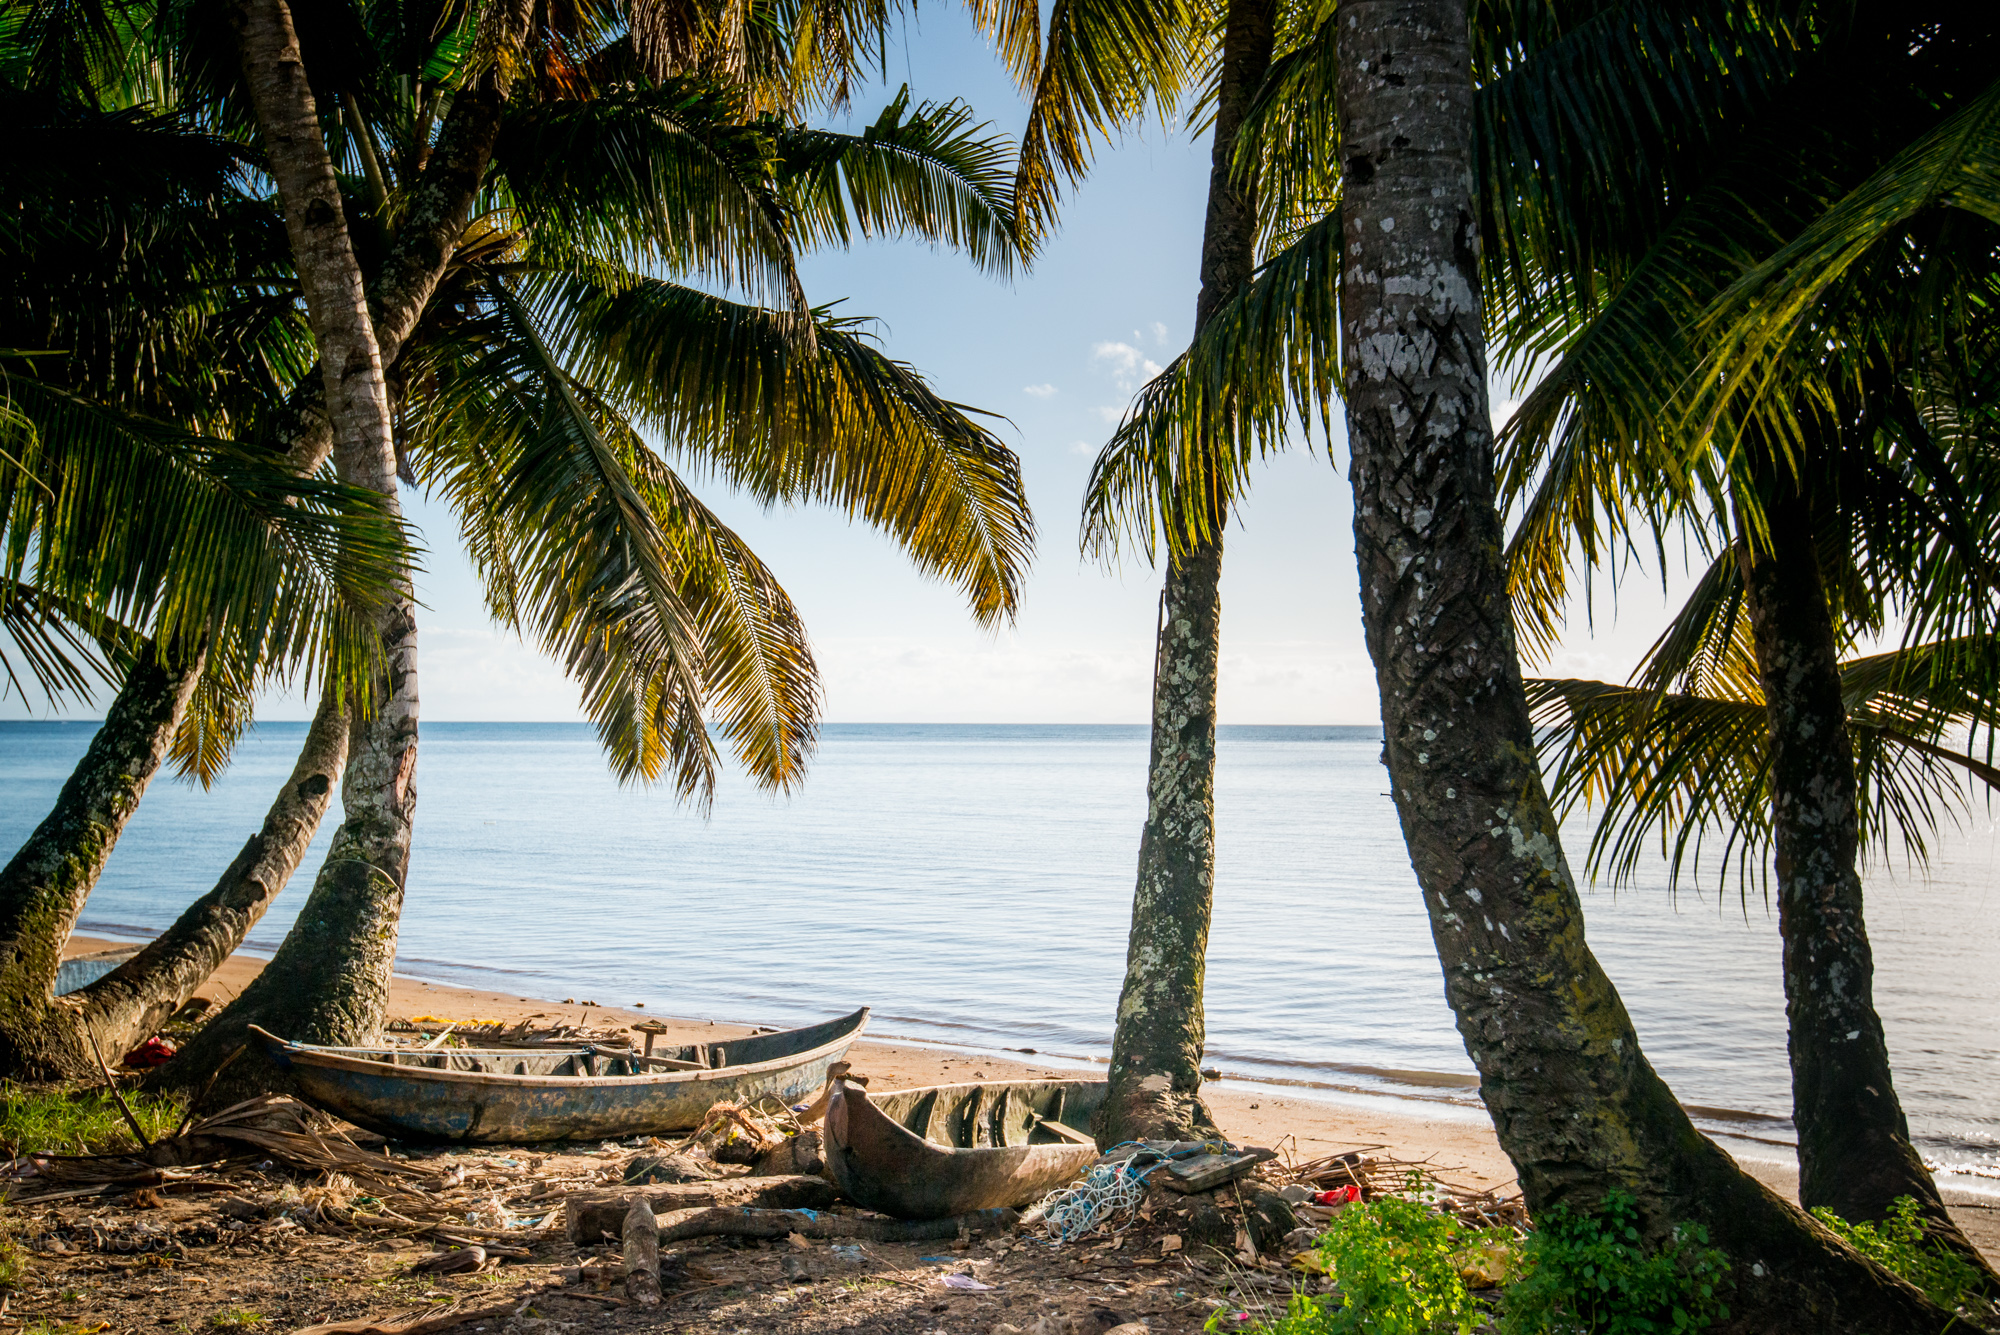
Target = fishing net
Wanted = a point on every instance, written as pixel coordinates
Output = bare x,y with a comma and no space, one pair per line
1072,1211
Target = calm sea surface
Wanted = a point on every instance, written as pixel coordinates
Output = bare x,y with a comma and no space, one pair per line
973,885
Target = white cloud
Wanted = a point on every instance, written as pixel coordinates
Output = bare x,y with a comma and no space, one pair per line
1085,448
1159,332
1128,367
1114,413
1039,391
1501,410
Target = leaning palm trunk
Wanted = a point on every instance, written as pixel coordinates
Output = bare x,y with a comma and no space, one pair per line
1576,1105
329,981
44,885
1156,1048
1855,1156
335,989
123,1007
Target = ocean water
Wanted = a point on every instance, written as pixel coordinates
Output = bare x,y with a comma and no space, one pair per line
973,884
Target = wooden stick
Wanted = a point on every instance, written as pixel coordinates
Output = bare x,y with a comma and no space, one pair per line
439,1039
111,1083
724,1221
423,1325
642,1254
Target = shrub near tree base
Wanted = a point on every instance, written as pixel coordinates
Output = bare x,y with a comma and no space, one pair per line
1903,1246
1397,1262
1400,1266
1590,1275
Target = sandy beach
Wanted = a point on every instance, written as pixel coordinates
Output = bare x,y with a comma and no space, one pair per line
1459,1144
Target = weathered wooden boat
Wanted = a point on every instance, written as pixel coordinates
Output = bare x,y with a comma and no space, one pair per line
583,1092
950,1149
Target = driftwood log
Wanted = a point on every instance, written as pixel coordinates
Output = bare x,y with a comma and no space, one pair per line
642,1254
592,1216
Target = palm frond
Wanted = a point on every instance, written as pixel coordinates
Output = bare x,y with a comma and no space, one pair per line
61,644
1955,165
670,176
218,711
1105,63
737,392
1687,771
189,539
590,542
1181,458
930,173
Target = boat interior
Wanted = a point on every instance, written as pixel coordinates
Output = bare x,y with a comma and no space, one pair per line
591,1060
972,1116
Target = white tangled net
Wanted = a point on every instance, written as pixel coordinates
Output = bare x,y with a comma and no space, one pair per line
1072,1211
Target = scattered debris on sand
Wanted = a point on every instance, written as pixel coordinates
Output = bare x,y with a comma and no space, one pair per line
273,1216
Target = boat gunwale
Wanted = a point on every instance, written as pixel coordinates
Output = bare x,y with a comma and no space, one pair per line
330,1059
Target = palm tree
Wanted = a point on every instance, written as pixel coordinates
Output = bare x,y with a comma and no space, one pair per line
1104,67
1813,429
1576,1105
1574,1102
793,405
135,525
547,336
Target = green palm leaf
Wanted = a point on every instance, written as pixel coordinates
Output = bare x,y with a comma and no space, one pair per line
931,174
1954,166
1105,63
735,390
671,176
188,539
588,539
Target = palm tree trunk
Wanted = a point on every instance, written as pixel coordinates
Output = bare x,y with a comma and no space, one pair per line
1575,1103
1156,1047
132,1001
339,987
329,981
1855,1156
44,885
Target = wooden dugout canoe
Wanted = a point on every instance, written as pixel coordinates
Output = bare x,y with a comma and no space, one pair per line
519,1095
952,1149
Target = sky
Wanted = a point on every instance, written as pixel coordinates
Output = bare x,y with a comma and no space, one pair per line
1057,352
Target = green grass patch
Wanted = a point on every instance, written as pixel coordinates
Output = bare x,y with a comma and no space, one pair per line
235,1318
1400,1266
45,1120
1901,1245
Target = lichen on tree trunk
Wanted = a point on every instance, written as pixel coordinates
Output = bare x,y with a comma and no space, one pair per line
1576,1105
45,883
1855,1156
1157,1044
1156,1048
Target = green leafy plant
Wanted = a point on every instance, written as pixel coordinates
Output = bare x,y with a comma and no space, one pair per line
1592,1274
1398,1263
13,1261
1901,1245
235,1318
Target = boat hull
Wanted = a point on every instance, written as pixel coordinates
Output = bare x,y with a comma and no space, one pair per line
880,1159
492,1107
